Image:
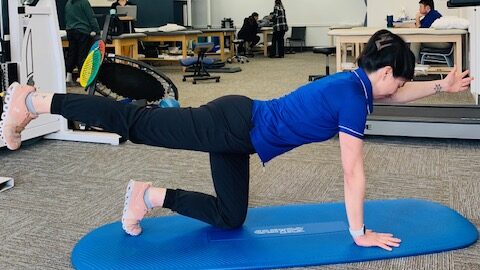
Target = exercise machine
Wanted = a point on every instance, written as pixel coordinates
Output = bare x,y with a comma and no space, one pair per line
37,51
436,121
36,48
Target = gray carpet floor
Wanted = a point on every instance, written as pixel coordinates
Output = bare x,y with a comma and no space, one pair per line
65,189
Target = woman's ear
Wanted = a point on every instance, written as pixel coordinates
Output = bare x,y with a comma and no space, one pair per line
387,71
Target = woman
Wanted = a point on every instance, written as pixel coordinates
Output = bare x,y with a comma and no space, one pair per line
279,28
249,32
81,27
232,128
122,26
121,3
426,14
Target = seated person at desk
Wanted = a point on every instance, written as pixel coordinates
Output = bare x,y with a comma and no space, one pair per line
426,10
266,21
123,26
249,31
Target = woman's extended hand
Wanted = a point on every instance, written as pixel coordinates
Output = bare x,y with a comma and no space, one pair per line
373,239
456,82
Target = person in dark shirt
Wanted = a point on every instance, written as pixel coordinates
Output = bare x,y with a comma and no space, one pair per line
424,19
280,27
249,31
428,12
81,27
121,3
125,26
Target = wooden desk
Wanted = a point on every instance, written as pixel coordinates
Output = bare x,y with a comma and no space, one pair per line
221,33
180,36
360,35
266,31
124,45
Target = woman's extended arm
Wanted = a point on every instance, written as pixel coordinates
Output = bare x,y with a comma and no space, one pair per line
454,82
354,188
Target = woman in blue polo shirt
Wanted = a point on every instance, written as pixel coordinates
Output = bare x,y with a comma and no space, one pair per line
232,128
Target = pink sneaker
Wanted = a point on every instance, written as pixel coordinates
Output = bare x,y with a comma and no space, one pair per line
135,208
15,116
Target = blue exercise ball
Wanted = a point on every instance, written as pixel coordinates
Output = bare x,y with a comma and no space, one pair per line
169,102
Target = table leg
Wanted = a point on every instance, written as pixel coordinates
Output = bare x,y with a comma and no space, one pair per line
232,48
458,53
118,47
339,55
357,50
222,46
135,50
184,47
265,43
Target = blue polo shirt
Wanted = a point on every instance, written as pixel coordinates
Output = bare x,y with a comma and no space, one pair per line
428,20
314,112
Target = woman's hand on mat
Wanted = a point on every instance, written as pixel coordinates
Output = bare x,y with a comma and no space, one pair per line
456,81
373,239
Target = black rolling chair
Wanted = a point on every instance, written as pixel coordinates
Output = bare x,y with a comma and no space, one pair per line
327,51
298,35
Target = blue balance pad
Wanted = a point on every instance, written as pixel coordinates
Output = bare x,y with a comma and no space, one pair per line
275,237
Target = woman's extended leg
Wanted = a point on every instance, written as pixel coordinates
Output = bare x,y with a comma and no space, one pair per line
204,129
220,127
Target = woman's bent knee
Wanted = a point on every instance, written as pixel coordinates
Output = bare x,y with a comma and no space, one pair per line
232,222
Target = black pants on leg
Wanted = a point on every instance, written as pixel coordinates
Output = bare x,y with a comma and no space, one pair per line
78,46
278,44
221,127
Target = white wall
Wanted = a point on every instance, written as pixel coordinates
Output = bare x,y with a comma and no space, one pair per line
317,15
377,10
200,13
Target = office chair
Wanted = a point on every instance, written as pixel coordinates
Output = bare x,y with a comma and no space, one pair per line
437,55
298,35
198,63
327,51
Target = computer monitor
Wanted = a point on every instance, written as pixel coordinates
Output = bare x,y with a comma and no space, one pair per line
129,10
463,3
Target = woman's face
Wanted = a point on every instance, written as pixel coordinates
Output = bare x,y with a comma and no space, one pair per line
387,85
423,9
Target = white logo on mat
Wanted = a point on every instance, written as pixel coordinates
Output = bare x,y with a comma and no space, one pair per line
288,230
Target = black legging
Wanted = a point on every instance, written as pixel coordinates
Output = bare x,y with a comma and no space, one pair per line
221,127
278,44
78,46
